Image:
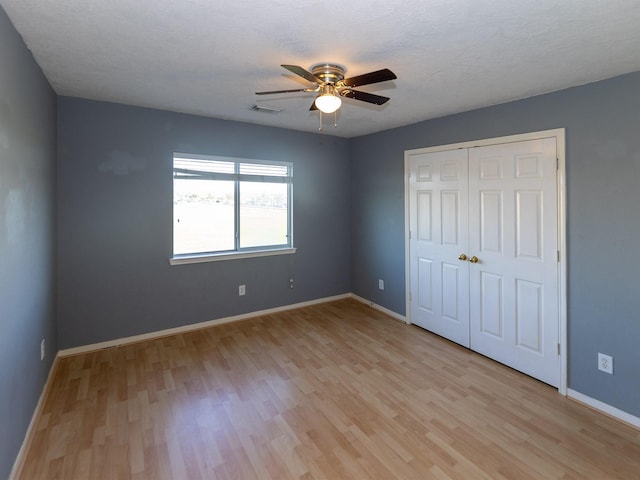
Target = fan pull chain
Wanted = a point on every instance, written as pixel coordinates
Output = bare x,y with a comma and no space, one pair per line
335,120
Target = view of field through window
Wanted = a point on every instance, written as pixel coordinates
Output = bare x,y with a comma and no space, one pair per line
204,215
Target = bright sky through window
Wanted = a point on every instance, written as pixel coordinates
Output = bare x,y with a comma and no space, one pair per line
225,205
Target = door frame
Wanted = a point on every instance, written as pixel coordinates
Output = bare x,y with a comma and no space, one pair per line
559,135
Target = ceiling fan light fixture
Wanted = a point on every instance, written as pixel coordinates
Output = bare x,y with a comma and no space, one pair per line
328,101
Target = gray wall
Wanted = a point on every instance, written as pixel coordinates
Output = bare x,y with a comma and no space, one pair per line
602,122
27,237
115,216
115,222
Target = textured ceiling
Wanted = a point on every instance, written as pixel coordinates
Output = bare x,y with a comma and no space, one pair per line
208,57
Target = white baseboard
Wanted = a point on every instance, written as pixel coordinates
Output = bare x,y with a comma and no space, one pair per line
604,408
194,326
28,437
391,313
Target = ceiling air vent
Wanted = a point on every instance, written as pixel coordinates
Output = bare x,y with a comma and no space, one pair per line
265,108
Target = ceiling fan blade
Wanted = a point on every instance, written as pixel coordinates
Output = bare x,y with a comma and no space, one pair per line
369,78
364,96
303,73
286,91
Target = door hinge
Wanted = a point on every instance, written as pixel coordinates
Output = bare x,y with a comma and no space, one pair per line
558,349
409,234
558,255
557,164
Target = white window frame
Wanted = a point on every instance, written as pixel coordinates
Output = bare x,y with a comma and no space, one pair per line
237,177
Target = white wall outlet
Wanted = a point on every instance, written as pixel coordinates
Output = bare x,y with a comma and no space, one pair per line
381,284
291,283
605,363
42,349
242,290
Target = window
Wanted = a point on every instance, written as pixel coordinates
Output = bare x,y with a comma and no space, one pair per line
230,206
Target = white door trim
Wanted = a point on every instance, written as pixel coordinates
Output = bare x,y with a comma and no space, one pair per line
559,135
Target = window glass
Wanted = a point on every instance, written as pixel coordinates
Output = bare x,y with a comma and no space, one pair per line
230,205
203,216
263,214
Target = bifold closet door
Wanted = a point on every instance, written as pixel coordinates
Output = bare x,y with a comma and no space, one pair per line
438,237
483,251
513,233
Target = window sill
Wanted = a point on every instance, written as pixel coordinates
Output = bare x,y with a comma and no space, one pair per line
218,257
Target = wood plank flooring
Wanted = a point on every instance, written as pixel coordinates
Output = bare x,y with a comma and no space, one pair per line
333,391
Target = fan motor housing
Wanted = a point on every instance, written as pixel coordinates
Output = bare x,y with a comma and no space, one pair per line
328,72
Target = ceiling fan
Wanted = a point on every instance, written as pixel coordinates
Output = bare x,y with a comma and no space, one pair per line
329,81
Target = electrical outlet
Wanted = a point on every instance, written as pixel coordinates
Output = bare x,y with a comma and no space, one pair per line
242,290
42,349
605,363
291,283
381,284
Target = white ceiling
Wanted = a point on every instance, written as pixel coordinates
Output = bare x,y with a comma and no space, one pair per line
208,57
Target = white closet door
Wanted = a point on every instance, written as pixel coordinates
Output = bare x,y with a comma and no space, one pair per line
483,251
438,236
513,233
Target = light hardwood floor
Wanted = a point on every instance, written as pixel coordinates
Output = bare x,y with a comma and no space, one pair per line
333,391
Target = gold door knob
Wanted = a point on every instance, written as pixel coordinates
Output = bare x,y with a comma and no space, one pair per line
462,257
474,259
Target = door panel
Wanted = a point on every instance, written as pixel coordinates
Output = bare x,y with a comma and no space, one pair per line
450,217
424,285
438,224
450,291
491,305
491,229
524,302
425,233
529,315
529,225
